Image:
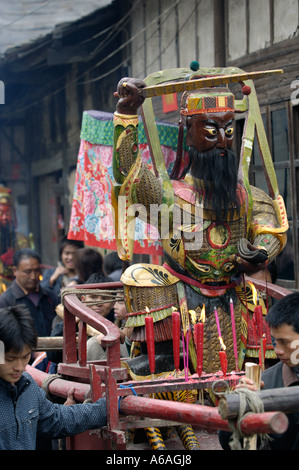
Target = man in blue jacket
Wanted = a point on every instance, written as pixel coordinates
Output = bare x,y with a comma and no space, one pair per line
26,290
25,411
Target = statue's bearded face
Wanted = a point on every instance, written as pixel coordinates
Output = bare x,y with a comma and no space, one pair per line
213,163
209,131
5,214
7,234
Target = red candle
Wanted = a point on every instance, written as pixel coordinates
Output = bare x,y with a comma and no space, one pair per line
199,336
258,312
176,327
262,352
223,361
150,342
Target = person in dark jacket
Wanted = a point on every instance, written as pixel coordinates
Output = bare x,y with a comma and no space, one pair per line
25,411
283,320
26,290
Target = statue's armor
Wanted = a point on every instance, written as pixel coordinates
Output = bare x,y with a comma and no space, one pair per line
194,274
155,286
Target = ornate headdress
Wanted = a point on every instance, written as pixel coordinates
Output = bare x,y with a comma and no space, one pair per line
207,100
5,195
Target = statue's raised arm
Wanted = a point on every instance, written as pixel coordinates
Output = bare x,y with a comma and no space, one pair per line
136,187
130,98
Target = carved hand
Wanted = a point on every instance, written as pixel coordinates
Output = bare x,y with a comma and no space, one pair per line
130,98
250,258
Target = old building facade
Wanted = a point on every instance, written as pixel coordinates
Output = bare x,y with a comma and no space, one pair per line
251,35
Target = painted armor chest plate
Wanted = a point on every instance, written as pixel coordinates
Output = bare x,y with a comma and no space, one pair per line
200,245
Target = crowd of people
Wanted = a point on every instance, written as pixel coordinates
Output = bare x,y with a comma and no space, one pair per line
40,292
29,310
31,307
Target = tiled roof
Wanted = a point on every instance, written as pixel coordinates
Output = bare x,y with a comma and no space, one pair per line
24,21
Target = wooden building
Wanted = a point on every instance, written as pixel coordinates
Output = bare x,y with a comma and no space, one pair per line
251,35
76,66
48,83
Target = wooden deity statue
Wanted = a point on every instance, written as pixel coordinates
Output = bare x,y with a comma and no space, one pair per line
10,240
214,225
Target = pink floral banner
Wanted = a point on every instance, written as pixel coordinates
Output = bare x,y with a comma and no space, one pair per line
92,215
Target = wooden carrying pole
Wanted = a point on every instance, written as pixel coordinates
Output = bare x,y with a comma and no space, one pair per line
50,343
205,417
285,399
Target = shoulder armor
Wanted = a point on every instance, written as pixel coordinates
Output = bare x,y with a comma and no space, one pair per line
148,275
260,196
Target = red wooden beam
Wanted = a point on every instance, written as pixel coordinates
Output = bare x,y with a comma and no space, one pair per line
69,335
205,417
61,387
92,318
275,291
82,349
73,307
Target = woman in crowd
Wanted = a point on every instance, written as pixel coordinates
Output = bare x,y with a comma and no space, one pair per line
87,262
61,276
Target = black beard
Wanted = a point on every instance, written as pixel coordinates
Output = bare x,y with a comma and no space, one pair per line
216,176
196,299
